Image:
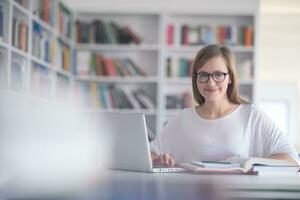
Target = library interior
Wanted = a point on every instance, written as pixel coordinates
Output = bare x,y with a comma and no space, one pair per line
95,94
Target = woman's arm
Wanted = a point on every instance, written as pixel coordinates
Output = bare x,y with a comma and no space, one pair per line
284,156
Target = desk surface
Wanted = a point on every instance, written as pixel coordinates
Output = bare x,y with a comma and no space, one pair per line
126,185
136,185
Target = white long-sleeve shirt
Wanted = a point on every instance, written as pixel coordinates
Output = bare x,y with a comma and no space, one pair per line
246,132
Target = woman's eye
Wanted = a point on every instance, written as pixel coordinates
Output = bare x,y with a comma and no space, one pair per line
218,74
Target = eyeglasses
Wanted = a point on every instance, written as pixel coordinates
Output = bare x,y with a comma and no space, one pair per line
203,77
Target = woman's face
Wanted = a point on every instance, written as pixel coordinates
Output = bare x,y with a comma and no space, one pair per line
213,90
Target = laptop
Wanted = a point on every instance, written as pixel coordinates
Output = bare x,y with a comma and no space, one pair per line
128,142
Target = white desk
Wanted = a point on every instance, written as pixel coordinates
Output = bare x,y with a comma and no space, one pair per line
125,185
139,186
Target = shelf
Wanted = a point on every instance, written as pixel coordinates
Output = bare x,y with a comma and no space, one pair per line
194,49
20,52
177,80
63,72
3,44
45,25
143,111
116,79
21,8
117,47
50,66
65,39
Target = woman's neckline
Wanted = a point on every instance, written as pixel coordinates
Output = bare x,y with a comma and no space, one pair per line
218,118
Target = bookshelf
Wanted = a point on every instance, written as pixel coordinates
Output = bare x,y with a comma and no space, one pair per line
137,63
35,48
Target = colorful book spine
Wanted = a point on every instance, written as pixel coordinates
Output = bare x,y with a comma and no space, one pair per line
230,35
20,33
64,21
102,32
170,34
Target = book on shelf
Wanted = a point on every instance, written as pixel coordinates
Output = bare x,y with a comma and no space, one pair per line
43,45
20,33
101,32
96,64
230,35
237,165
113,97
44,9
181,67
170,34
178,101
64,21
63,57
1,23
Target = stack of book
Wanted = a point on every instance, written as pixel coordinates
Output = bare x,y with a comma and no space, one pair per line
112,97
236,165
181,67
105,33
20,33
178,101
43,46
99,65
206,34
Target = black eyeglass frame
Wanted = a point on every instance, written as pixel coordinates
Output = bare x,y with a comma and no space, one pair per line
210,75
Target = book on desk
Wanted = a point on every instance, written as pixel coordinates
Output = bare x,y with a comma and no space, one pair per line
235,165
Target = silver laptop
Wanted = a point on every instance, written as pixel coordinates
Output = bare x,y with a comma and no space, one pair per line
128,142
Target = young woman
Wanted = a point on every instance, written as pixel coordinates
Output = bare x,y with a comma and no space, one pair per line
222,125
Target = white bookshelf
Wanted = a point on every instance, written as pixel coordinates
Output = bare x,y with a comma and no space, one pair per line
13,54
151,55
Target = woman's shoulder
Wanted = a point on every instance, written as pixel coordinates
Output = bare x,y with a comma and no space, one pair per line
253,109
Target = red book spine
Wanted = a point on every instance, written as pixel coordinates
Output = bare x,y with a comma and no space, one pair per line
110,67
170,34
23,35
249,36
61,22
185,35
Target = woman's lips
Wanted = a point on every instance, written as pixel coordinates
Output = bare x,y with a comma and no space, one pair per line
210,90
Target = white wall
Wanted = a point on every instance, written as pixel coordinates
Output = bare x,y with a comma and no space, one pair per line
278,44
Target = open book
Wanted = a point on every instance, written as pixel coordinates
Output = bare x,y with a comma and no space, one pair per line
239,165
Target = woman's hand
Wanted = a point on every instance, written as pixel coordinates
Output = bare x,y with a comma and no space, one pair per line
164,159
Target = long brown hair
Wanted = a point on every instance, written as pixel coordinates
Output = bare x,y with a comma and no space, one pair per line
202,57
